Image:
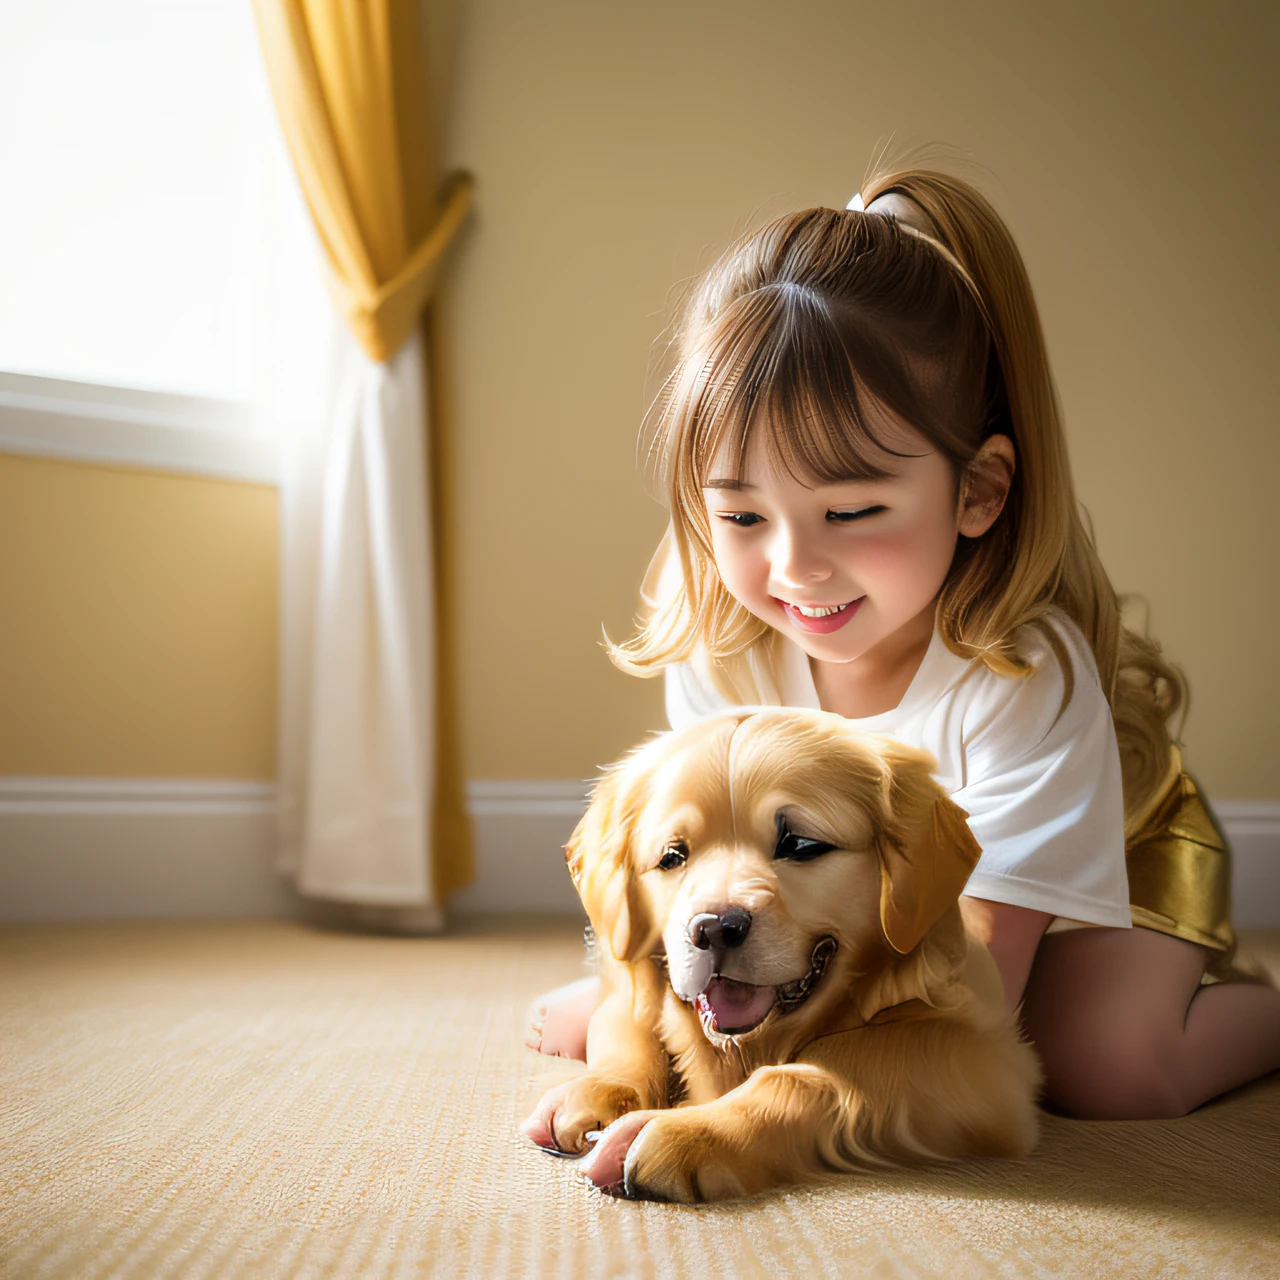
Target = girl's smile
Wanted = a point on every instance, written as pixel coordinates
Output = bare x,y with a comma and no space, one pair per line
843,568
820,619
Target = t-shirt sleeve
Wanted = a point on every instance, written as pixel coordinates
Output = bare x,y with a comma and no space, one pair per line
1043,789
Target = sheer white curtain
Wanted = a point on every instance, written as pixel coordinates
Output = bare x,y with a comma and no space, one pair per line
355,752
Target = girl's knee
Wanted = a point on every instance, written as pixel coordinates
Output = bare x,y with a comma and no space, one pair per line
1114,1077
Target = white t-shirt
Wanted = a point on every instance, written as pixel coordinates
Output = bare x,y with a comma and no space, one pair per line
1042,791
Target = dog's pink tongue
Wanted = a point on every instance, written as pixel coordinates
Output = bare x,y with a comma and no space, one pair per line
738,1006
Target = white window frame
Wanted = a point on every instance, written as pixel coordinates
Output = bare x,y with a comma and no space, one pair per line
127,426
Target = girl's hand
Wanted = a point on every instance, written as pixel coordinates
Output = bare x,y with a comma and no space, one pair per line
603,1168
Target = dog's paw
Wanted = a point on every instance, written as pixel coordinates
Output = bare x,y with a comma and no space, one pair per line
662,1155
571,1111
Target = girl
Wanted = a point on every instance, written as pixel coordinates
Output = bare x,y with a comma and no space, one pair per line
872,513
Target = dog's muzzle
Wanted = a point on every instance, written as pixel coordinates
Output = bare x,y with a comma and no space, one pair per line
723,1002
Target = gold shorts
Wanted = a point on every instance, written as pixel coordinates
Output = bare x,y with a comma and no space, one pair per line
1180,866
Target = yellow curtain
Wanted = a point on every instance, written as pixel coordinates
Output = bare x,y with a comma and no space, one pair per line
349,81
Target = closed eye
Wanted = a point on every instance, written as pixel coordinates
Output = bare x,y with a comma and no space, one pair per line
749,519
797,848
676,854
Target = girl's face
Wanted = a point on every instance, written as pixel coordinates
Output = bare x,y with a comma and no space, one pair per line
845,568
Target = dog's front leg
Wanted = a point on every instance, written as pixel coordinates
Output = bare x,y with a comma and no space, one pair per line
627,1067
781,1126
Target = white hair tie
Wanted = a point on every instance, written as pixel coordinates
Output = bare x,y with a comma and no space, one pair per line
858,207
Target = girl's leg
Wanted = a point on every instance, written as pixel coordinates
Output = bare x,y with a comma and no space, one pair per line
557,1021
1126,1031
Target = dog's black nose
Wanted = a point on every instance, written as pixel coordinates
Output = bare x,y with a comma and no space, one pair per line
727,930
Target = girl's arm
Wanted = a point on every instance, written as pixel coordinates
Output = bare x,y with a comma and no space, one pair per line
1012,935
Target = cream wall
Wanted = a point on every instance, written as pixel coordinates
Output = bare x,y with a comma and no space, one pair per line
137,623
1131,148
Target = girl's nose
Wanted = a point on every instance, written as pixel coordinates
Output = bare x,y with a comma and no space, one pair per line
797,563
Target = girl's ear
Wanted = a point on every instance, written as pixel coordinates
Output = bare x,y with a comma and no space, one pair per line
985,485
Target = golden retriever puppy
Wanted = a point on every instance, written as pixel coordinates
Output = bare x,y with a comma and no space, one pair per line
789,988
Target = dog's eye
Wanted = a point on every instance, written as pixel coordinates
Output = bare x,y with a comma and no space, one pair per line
674,855
797,848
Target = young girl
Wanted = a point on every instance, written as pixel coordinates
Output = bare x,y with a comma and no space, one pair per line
872,513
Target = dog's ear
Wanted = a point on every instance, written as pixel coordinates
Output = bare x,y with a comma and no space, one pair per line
600,860
926,849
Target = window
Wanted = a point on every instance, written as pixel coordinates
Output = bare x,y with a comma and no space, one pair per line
154,250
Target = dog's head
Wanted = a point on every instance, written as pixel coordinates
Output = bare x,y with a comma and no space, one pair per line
750,849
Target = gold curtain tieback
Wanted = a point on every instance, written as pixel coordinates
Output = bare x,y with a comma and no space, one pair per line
383,318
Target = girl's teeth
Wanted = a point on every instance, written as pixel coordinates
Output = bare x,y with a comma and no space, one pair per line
821,611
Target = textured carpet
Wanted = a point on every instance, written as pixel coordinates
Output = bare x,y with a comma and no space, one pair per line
265,1099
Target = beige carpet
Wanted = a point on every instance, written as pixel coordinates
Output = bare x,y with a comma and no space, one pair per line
252,1099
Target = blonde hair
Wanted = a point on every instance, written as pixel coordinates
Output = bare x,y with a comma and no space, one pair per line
801,324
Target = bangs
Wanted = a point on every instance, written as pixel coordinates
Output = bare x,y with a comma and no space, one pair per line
782,358
828,332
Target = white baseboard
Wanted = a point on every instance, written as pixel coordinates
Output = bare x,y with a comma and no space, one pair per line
142,848
1252,828
129,848
520,829
137,848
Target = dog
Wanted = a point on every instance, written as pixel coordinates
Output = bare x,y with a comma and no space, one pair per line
789,989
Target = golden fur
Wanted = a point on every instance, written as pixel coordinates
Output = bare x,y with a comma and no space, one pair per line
902,1050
